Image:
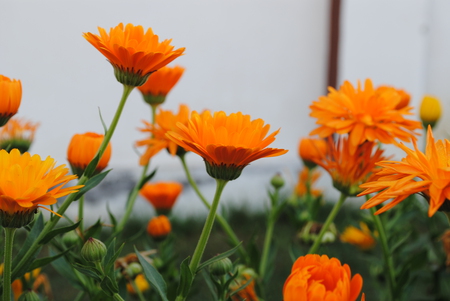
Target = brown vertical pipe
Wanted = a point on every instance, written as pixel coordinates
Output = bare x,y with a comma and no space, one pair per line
333,50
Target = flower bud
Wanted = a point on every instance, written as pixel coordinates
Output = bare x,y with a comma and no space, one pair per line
159,227
133,269
221,267
430,111
277,181
29,296
71,239
93,250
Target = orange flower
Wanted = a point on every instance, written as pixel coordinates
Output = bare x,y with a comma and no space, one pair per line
34,280
133,53
315,277
301,189
248,293
83,148
348,170
141,284
17,133
165,121
404,96
26,183
10,98
160,83
226,143
310,149
427,174
159,227
162,195
363,114
362,238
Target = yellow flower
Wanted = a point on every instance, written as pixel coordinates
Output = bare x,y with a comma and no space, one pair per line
430,111
165,121
17,133
160,83
362,238
162,195
26,183
83,148
10,98
227,143
141,283
133,53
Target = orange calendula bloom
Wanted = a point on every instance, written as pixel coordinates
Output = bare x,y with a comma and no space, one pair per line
159,227
165,121
17,133
404,96
133,53
83,148
10,98
349,170
427,174
364,114
227,143
160,83
319,278
310,149
301,189
162,195
26,183
248,293
362,238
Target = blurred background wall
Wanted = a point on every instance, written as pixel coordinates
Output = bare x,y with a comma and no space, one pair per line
264,58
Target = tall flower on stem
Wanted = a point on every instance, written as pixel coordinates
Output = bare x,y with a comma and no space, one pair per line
17,133
165,121
426,173
27,183
364,114
160,84
315,277
133,53
227,144
162,195
10,98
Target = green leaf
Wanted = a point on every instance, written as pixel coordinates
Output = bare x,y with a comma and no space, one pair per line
31,238
92,182
153,276
111,217
44,261
55,232
66,270
218,257
242,287
147,178
94,230
186,278
89,271
111,259
108,286
105,128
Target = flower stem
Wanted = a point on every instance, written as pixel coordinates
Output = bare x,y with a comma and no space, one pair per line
131,200
203,240
83,179
268,239
220,219
327,224
80,212
386,253
9,241
117,297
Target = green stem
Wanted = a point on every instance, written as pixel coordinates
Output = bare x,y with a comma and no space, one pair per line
80,212
327,224
447,214
220,219
9,242
80,296
136,289
83,179
386,253
203,240
268,238
131,200
117,297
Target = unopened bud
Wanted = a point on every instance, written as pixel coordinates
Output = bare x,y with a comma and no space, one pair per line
221,267
93,250
134,269
277,181
71,239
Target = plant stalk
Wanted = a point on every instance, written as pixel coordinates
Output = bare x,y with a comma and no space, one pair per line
9,242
